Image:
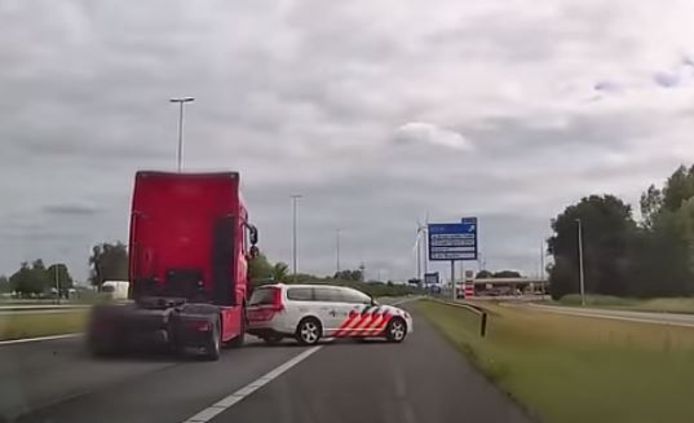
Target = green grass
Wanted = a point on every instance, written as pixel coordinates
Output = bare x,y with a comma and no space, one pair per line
671,305
17,326
572,369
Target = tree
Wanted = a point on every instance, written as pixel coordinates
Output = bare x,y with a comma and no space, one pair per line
484,274
108,262
260,270
5,284
58,274
349,275
662,254
607,230
507,274
30,280
651,203
280,272
678,188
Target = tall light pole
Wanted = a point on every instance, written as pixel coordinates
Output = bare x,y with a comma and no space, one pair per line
579,228
180,101
337,250
57,282
295,198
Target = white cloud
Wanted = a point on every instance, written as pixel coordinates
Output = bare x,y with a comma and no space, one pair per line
427,133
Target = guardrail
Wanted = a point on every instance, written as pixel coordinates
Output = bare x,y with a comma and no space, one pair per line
470,307
41,307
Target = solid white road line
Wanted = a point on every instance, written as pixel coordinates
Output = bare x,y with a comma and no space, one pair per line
40,338
598,315
227,402
51,311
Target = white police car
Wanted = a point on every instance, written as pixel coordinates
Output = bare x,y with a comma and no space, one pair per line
311,312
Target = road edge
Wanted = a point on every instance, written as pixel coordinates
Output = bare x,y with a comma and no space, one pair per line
469,357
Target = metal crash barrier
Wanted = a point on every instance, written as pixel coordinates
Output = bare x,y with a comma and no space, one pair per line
479,311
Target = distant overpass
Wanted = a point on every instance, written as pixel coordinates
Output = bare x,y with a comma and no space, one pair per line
522,284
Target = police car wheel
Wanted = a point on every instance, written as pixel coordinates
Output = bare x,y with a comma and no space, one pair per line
396,330
309,331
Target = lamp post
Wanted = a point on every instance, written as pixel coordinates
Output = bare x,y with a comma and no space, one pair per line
180,101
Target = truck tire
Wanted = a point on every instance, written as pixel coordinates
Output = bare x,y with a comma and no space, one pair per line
214,343
98,349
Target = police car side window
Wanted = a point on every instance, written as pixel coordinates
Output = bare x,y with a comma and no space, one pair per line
327,294
300,294
356,297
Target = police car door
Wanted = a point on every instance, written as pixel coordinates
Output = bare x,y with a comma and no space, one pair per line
362,313
331,309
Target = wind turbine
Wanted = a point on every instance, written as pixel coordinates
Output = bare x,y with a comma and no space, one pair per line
420,235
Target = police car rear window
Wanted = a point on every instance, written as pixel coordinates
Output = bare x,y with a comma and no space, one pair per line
262,296
300,294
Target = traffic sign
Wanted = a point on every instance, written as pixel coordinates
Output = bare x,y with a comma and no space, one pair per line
453,241
431,278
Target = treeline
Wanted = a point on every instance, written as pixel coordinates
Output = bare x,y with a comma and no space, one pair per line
262,272
623,256
107,262
36,278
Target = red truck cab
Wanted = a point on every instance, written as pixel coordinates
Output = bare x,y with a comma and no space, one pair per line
190,242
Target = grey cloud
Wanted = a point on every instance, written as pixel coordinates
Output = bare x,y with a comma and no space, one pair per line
311,105
666,79
71,209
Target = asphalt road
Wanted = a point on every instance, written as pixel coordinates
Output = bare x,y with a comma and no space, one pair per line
672,319
421,380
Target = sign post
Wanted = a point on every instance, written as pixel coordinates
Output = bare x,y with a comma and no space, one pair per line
452,242
455,294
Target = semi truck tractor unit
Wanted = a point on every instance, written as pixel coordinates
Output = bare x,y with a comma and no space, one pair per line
190,243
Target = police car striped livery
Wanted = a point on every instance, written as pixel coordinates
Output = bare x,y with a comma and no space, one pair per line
310,312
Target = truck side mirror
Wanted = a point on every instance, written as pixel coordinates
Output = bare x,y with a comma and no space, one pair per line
253,235
253,252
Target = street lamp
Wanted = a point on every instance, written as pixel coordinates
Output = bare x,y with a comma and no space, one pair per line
580,261
337,251
295,198
180,101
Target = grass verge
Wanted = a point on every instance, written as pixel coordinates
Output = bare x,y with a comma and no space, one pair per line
573,369
30,325
669,305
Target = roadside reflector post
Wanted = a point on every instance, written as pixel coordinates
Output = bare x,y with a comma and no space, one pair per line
483,325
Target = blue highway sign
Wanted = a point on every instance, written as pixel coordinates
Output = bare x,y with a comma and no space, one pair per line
453,241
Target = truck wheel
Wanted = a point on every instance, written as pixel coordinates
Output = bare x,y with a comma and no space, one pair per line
98,349
214,343
396,330
309,331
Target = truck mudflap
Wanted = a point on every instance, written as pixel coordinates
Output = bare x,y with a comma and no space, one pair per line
136,327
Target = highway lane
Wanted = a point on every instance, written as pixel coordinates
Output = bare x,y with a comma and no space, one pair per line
423,379
57,381
672,319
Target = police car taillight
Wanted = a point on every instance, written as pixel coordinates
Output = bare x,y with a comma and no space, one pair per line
277,304
266,311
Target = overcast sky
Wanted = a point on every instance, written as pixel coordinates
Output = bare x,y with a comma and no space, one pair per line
378,112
